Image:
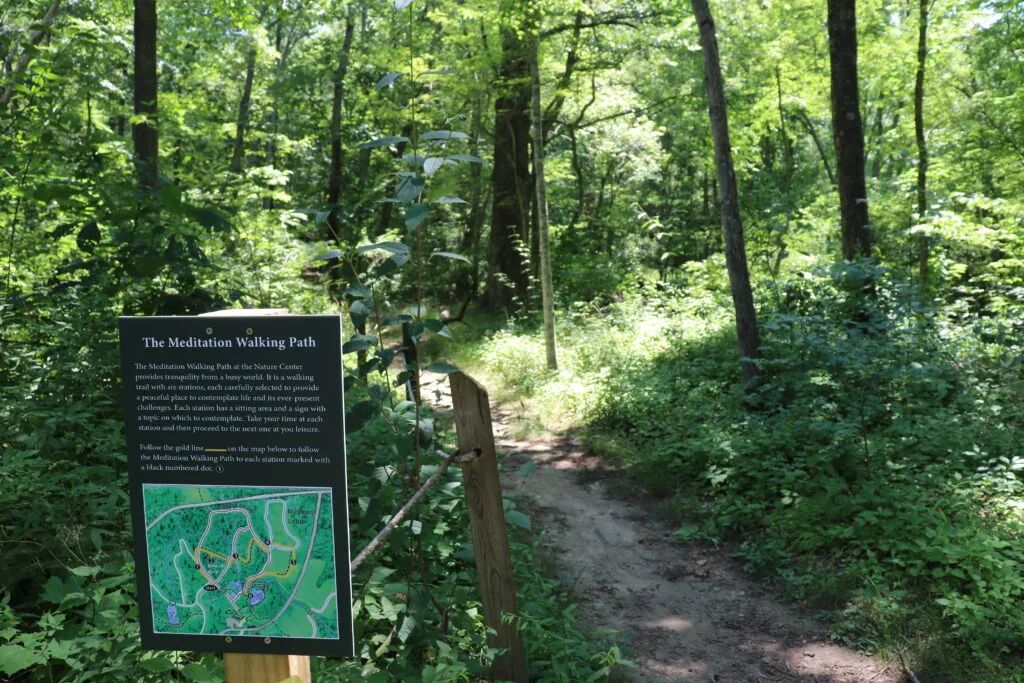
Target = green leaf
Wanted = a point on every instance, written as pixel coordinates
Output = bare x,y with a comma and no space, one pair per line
169,197
518,518
441,368
431,165
359,342
15,658
466,157
195,672
527,468
397,319
54,590
85,571
451,255
408,624
209,218
358,291
157,664
444,135
409,188
389,266
416,331
389,79
386,141
88,235
329,255
359,414
149,262
414,215
437,327
359,312
449,199
392,247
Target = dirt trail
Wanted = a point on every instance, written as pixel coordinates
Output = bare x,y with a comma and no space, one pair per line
688,611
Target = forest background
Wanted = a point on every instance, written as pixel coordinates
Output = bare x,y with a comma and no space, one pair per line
375,159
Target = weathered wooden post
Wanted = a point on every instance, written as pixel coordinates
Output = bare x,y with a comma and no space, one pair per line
242,668
472,414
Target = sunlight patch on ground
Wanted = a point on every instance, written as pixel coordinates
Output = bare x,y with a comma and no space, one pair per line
671,624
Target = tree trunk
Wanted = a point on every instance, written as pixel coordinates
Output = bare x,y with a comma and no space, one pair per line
242,123
922,145
786,141
732,225
145,132
337,156
848,129
577,170
27,53
510,177
546,286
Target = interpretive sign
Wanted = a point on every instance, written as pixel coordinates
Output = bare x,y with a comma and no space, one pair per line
236,452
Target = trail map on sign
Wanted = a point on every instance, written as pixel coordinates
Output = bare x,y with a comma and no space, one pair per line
241,560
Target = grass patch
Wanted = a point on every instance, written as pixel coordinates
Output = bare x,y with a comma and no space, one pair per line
874,475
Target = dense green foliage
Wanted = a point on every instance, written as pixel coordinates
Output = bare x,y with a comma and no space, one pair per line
875,474
332,156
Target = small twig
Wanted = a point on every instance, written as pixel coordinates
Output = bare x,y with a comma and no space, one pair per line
400,515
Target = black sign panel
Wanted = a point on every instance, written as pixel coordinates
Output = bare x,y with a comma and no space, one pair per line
236,451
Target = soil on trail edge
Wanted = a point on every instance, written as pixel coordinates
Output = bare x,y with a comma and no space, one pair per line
687,612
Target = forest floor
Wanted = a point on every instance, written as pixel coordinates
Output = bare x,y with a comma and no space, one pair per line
686,611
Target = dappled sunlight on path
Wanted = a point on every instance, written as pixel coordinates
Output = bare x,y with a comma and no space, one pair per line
687,612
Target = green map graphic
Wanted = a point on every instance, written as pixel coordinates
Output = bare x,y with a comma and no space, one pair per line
241,561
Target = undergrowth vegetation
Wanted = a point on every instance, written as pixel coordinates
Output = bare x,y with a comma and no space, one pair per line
67,601
873,475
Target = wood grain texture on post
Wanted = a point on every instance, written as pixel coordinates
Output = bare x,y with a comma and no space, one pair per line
250,668
472,413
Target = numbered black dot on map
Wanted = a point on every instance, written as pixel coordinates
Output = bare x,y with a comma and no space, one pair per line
294,562
234,555
198,567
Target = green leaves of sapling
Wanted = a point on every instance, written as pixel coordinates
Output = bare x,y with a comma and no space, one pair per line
414,215
389,79
385,141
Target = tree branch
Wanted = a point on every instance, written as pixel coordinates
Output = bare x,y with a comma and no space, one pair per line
27,53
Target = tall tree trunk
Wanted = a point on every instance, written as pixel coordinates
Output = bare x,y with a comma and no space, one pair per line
510,176
242,124
145,132
474,221
922,145
577,169
848,129
27,53
786,141
337,156
546,286
732,225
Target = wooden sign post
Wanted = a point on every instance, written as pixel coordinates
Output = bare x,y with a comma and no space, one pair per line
472,414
